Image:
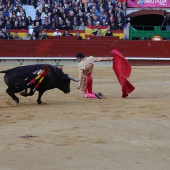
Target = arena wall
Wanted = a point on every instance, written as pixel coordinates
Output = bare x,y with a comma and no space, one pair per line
62,48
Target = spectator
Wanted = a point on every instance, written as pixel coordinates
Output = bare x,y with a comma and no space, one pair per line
67,33
75,25
2,25
23,16
69,26
113,26
97,24
12,7
37,29
57,33
104,22
12,21
13,15
2,35
46,26
53,26
79,36
34,3
37,19
23,26
5,12
31,26
40,36
45,35
120,12
8,25
28,21
61,25
16,36
20,21
27,36
17,7
81,17
44,16
15,26
119,24
82,26
1,17
6,18
40,8
71,16
33,36
99,33
109,33
105,17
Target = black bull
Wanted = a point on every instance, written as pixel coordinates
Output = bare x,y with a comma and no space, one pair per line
18,80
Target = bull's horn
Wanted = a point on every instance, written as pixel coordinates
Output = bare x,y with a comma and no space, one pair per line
72,78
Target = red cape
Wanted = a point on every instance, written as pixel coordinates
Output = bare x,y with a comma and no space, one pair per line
122,69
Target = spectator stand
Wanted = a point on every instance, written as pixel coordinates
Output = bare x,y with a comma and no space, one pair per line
64,15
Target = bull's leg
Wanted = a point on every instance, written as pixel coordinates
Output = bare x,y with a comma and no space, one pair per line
39,97
31,93
25,93
11,93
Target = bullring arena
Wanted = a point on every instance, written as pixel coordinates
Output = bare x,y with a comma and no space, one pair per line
68,132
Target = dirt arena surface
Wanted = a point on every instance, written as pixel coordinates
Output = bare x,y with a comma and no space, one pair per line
69,132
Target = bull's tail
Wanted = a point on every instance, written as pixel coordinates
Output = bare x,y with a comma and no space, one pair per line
4,71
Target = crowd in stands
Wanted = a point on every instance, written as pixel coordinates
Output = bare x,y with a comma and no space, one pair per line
62,15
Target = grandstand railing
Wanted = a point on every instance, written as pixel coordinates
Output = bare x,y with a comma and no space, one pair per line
148,32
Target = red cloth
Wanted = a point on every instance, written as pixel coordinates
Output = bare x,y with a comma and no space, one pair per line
122,69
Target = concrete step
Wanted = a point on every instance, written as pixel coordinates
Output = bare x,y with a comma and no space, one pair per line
30,11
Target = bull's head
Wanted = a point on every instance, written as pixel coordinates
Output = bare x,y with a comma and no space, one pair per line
66,85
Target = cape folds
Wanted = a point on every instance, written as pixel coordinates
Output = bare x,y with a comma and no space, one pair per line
122,69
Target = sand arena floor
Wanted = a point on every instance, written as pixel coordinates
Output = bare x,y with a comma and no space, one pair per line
68,132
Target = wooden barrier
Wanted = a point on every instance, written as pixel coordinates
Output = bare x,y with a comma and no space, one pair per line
68,47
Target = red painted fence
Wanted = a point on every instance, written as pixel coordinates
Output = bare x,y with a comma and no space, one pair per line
138,52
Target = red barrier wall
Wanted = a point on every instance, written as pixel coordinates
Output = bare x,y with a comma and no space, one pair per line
98,47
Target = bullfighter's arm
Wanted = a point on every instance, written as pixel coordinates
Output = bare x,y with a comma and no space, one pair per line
98,59
80,78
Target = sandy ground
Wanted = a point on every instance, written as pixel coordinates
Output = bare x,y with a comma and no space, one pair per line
68,132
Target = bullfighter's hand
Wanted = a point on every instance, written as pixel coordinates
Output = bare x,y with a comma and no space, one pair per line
78,87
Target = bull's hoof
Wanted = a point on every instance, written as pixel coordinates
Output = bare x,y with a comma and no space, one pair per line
16,100
39,102
23,94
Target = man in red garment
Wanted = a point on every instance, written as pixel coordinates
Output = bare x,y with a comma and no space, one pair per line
85,66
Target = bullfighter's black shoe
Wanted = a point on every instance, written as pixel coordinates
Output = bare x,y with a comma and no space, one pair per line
101,95
98,96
